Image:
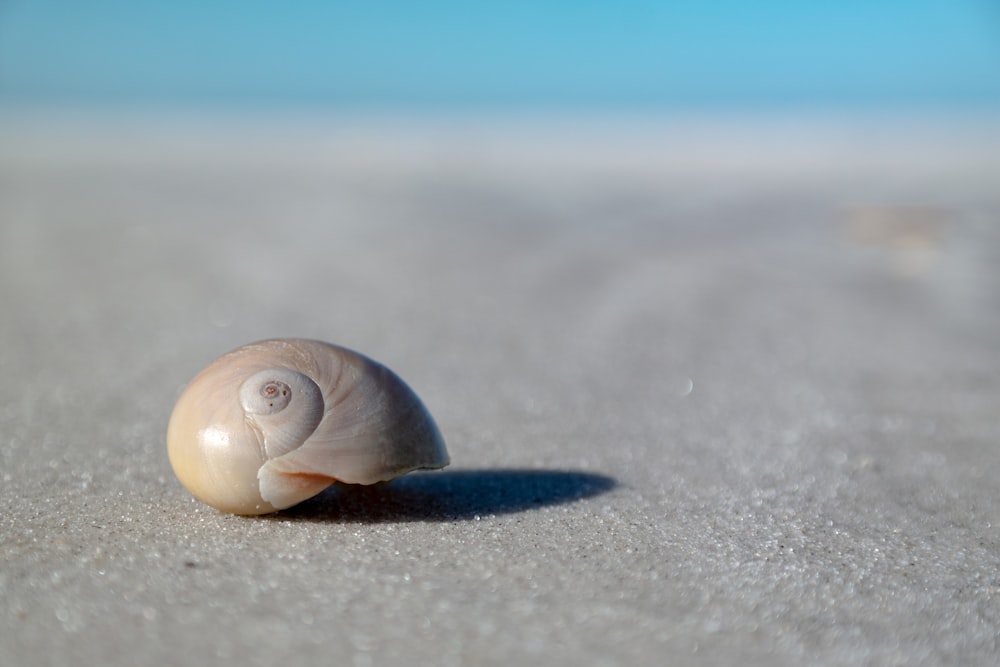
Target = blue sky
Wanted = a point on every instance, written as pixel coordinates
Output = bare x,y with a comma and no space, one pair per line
517,53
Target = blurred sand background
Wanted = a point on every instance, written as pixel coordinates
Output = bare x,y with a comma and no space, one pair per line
717,389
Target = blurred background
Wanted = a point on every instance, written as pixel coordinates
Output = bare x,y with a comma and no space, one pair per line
651,55
450,153
398,158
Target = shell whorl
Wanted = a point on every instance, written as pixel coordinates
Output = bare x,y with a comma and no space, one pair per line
284,405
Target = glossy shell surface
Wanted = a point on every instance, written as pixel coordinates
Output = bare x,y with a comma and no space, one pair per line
273,423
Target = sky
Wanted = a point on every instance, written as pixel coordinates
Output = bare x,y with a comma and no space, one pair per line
445,53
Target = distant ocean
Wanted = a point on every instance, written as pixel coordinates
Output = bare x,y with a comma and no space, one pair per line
556,55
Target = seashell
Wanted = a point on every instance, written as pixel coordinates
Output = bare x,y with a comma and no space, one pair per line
273,423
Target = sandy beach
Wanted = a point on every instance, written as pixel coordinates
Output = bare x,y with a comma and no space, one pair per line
716,390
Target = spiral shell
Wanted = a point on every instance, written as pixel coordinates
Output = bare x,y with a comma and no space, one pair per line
273,423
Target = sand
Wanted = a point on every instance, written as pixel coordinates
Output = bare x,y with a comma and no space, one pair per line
716,391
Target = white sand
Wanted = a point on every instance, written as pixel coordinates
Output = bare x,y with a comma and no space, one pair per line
715,393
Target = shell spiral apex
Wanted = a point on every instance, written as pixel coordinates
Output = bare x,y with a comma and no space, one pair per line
273,423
